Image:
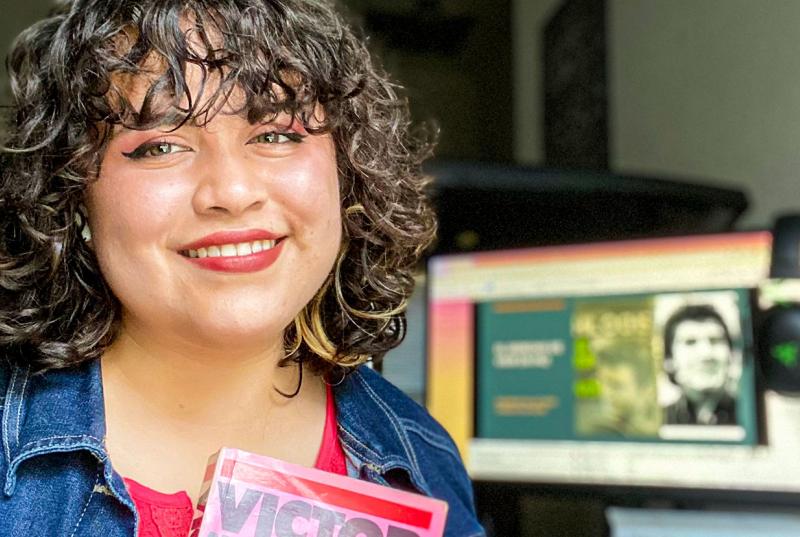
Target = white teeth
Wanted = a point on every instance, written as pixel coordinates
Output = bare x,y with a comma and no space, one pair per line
228,250
232,250
243,248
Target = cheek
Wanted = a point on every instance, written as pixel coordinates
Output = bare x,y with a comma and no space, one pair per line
129,219
680,360
311,192
722,352
125,204
318,221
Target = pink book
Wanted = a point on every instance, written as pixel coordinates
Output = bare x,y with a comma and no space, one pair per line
249,495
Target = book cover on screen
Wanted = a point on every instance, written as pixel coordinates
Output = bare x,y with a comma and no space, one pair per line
660,367
249,495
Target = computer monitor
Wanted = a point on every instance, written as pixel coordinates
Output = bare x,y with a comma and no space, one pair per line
621,363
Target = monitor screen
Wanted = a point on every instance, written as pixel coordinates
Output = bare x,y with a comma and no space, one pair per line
622,363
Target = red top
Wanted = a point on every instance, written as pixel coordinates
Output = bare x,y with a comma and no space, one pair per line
170,515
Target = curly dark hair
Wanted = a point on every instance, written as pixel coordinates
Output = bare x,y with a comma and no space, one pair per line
286,56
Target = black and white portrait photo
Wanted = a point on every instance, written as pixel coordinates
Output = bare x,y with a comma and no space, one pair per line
701,357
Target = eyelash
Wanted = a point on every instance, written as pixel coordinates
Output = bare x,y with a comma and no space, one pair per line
142,151
293,137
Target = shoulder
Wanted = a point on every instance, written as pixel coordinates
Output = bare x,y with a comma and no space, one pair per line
393,435
385,413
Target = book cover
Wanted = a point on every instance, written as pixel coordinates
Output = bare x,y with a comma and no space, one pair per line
648,367
249,495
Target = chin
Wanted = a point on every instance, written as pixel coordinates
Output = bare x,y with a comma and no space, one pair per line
243,334
711,391
247,331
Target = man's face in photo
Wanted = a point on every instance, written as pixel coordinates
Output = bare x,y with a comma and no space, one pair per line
701,355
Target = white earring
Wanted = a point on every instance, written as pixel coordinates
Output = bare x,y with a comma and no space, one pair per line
83,224
86,233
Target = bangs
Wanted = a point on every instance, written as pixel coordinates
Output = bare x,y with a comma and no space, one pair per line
173,62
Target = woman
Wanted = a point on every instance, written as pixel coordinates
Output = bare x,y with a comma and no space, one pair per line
210,214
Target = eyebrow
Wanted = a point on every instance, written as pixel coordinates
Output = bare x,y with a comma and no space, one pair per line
161,125
170,126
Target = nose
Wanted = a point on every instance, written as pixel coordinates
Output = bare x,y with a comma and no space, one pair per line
228,185
713,352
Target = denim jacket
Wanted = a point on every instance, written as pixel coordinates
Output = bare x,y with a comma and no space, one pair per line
56,478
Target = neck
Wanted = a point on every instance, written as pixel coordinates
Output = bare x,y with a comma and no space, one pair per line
170,404
705,404
702,396
195,384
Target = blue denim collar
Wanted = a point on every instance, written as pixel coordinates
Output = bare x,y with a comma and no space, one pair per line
63,410
58,411
372,418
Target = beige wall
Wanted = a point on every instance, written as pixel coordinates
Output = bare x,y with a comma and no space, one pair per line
527,22
709,88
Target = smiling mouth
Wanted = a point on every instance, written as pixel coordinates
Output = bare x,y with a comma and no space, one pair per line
240,249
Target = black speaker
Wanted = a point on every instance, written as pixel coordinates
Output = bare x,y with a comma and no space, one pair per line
779,348
483,206
786,247
778,332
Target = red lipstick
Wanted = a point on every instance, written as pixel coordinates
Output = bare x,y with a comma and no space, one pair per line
251,262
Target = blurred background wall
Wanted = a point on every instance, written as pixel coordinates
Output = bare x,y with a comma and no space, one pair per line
699,88
709,88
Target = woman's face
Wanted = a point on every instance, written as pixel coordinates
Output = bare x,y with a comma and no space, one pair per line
216,234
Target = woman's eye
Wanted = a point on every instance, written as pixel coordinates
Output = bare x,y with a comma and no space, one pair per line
277,138
155,149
